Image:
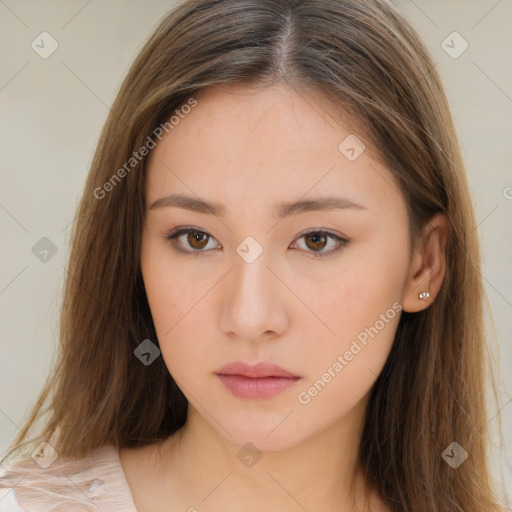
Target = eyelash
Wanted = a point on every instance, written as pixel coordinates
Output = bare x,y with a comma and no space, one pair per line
178,247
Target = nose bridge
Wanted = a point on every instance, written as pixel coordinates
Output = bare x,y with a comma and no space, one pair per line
252,276
254,303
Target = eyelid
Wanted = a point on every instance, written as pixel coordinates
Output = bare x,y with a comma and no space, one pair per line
181,230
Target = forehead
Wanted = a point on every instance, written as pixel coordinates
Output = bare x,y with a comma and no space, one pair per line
273,143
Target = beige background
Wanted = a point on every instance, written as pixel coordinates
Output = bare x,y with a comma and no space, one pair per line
52,110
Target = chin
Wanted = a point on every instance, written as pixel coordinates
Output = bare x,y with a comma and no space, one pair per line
271,435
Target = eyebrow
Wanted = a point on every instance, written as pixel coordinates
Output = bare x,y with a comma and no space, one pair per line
282,210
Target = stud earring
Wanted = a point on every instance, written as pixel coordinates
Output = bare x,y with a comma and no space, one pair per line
424,295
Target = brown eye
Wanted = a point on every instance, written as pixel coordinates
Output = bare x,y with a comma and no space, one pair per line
197,239
190,241
318,240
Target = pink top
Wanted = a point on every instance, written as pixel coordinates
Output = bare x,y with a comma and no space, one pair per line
96,482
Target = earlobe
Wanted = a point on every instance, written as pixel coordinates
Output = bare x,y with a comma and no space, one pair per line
428,266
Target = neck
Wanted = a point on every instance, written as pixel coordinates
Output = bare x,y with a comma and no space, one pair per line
319,473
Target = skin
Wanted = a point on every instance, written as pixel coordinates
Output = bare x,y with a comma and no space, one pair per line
250,148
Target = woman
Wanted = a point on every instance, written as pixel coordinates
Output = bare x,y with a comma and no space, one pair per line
326,351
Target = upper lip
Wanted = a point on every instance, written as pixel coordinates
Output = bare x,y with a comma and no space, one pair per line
258,370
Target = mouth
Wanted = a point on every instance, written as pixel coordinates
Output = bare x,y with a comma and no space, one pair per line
263,380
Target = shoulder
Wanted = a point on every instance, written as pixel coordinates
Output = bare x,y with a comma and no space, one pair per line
91,483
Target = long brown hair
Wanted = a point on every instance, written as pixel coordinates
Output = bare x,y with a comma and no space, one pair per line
364,56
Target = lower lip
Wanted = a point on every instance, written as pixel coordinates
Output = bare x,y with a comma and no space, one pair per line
264,387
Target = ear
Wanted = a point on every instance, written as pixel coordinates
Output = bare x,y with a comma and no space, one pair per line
428,265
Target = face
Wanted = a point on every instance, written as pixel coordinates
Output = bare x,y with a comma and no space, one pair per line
314,291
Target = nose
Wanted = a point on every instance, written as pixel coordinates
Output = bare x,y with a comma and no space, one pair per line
256,303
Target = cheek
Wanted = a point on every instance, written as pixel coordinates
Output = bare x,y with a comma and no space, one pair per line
169,290
362,287
175,301
343,371
362,308
376,276
164,290
175,331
